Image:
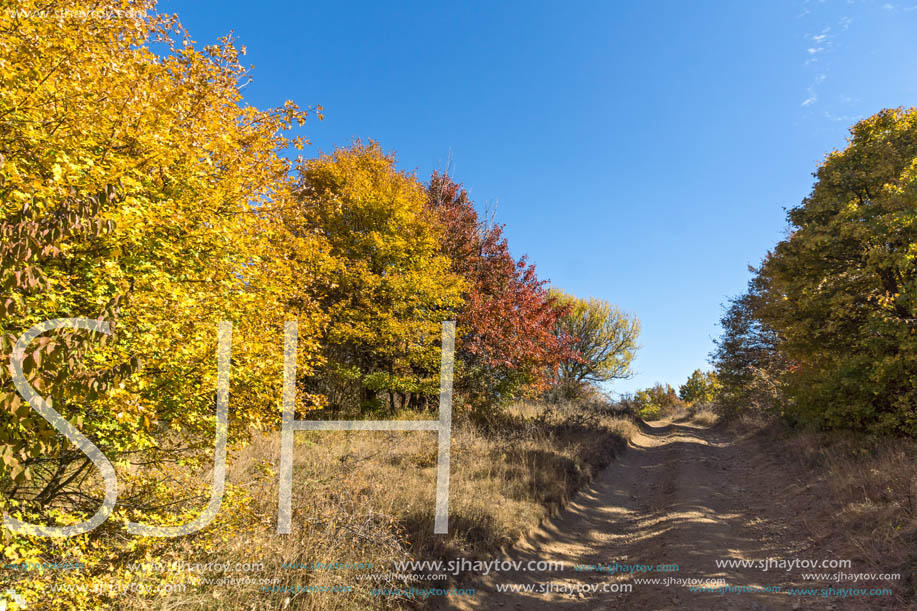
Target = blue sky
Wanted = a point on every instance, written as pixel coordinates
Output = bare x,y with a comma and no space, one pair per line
639,152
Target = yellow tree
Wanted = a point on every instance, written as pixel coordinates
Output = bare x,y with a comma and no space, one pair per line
391,289
137,188
602,337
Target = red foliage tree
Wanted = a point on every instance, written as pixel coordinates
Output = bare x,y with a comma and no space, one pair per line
506,342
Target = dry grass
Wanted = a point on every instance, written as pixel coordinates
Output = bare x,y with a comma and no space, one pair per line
705,416
872,498
368,497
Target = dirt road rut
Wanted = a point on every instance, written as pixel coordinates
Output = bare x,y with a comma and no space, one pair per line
681,495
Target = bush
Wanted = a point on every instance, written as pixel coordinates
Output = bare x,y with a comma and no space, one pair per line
657,402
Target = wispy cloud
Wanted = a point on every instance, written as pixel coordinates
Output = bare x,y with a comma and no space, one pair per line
888,7
841,118
812,90
819,45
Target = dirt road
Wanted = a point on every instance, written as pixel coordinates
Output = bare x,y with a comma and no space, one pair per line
681,495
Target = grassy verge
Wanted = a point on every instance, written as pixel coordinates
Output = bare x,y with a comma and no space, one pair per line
368,497
873,497
866,489
704,416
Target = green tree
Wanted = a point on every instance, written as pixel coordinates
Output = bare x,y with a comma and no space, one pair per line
603,338
840,293
701,387
747,359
